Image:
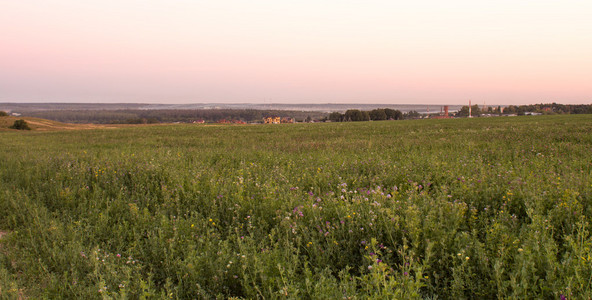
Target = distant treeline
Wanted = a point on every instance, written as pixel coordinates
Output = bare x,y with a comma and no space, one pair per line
552,108
546,109
135,116
374,115
146,116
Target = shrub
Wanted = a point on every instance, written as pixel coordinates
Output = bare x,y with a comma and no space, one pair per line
3,113
20,125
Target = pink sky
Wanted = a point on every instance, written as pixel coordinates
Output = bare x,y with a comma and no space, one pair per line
420,52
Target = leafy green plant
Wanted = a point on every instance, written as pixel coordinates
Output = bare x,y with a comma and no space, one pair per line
20,125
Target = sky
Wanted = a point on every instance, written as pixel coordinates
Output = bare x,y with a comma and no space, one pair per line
280,51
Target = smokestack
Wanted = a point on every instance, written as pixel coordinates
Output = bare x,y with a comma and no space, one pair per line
470,109
446,111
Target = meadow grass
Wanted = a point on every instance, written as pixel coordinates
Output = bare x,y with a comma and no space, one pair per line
465,208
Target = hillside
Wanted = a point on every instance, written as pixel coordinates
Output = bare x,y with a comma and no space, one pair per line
38,124
481,208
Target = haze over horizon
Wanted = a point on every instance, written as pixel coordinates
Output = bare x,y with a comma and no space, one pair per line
263,51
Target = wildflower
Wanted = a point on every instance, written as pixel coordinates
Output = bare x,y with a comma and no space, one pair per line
467,258
369,267
520,250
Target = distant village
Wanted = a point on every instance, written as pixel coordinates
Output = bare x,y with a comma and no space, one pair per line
469,111
133,115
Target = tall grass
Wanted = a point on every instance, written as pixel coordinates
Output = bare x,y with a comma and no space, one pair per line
479,208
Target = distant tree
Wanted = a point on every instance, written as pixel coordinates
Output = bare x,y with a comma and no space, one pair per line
308,119
356,115
20,125
393,114
511,109
3,113
365,116
377,114
475,111
353,115
336,117
464,111
411,115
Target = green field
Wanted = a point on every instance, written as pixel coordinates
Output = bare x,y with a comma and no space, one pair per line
467,208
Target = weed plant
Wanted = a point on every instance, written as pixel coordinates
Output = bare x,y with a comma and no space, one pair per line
474,208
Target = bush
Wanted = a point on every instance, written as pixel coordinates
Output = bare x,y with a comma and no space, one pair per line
3,113
20,125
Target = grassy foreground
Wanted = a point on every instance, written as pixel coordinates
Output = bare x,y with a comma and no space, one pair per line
473,208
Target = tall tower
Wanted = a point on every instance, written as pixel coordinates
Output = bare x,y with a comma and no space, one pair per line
470,109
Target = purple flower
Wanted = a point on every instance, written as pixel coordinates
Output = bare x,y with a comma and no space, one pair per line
297,211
